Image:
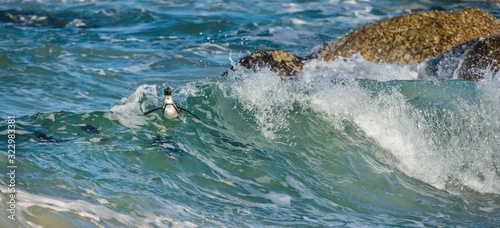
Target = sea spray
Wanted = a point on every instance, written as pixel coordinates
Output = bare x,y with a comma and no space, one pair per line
265,96
129,110
428,128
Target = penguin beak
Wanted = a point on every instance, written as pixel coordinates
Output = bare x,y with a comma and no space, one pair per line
167,91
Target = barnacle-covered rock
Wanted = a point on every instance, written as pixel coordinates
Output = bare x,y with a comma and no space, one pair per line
412,38
283,62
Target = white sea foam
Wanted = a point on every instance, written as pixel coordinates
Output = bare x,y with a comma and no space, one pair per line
100,215
76,23
438,153
298,22
129,111
281,200
292,8
467,159
357,68
138,67
303,190
264,95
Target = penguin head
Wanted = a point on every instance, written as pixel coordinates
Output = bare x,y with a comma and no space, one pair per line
167,91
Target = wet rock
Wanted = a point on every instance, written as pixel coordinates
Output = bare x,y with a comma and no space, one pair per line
409,39
412,38
283,62
469,61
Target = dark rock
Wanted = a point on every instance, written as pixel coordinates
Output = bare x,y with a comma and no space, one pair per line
469,61
484,54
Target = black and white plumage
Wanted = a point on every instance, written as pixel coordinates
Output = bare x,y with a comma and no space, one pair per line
170,109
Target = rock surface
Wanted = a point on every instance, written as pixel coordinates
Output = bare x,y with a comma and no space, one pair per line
469,61
414,37
407,39
283,62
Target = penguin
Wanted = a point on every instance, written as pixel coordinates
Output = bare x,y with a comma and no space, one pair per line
170,109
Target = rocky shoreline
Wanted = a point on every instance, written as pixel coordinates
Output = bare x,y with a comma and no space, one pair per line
463,43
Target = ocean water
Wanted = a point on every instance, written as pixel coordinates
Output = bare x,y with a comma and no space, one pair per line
349,143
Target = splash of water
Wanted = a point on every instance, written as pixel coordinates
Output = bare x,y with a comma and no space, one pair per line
129,111
447,136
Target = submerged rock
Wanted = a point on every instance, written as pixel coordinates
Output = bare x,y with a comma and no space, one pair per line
469,61
283,62
414,37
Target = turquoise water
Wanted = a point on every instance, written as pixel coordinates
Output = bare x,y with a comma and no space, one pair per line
349,143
